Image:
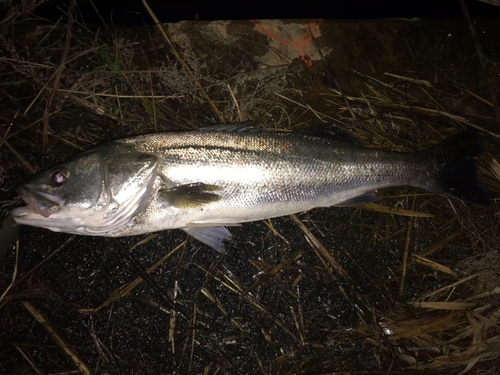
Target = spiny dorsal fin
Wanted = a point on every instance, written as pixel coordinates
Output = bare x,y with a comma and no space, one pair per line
234,127
330,131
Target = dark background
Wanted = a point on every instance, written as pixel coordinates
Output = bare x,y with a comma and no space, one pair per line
133,12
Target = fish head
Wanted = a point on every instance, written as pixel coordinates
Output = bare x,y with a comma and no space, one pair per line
97,192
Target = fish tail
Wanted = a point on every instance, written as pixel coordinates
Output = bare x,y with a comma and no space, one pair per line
457,167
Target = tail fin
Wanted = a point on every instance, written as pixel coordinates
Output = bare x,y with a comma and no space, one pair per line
457,173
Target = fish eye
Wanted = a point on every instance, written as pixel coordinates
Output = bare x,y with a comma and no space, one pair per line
59,176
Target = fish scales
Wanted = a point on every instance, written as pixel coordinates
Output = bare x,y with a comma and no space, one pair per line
268,175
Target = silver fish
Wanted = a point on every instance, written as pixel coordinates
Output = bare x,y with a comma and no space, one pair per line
202,181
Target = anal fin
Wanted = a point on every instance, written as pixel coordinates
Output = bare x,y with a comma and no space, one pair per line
367,197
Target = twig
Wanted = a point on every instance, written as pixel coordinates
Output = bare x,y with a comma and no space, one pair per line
119,103
42,262
318,245
307,107
479,97
65,346
235,102
482,60
145,276
269,224
27,357
464,121
30,125
334,77
125,289
393,210
348,290
91,94
57,79
414,80
392,372
465,279
443,305
315,113
151,87
17,154
181,60
193,341
434,265
438,245
14,274
405,254
78,55
173,319
269,274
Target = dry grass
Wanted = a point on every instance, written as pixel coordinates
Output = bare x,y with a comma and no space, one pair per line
409,285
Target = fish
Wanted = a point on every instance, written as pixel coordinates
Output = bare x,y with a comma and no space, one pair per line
226,175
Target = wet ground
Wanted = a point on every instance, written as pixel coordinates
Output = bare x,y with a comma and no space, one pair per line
274,302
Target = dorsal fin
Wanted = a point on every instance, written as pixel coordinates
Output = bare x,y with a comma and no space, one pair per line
329,131
248,126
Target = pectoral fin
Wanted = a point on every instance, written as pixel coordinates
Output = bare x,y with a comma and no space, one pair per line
191,195
211,236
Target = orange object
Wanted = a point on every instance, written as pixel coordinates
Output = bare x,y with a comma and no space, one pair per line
298,45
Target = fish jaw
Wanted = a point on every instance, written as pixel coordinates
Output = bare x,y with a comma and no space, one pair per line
69,221
46,211
38,203
26,216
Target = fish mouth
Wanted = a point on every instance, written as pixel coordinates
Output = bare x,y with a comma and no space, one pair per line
37,203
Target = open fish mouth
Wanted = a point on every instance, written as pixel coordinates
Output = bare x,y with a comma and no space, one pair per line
37,203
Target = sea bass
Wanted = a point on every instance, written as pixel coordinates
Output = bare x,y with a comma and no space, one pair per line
202,181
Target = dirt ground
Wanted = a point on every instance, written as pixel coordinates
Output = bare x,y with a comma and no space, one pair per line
407,285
